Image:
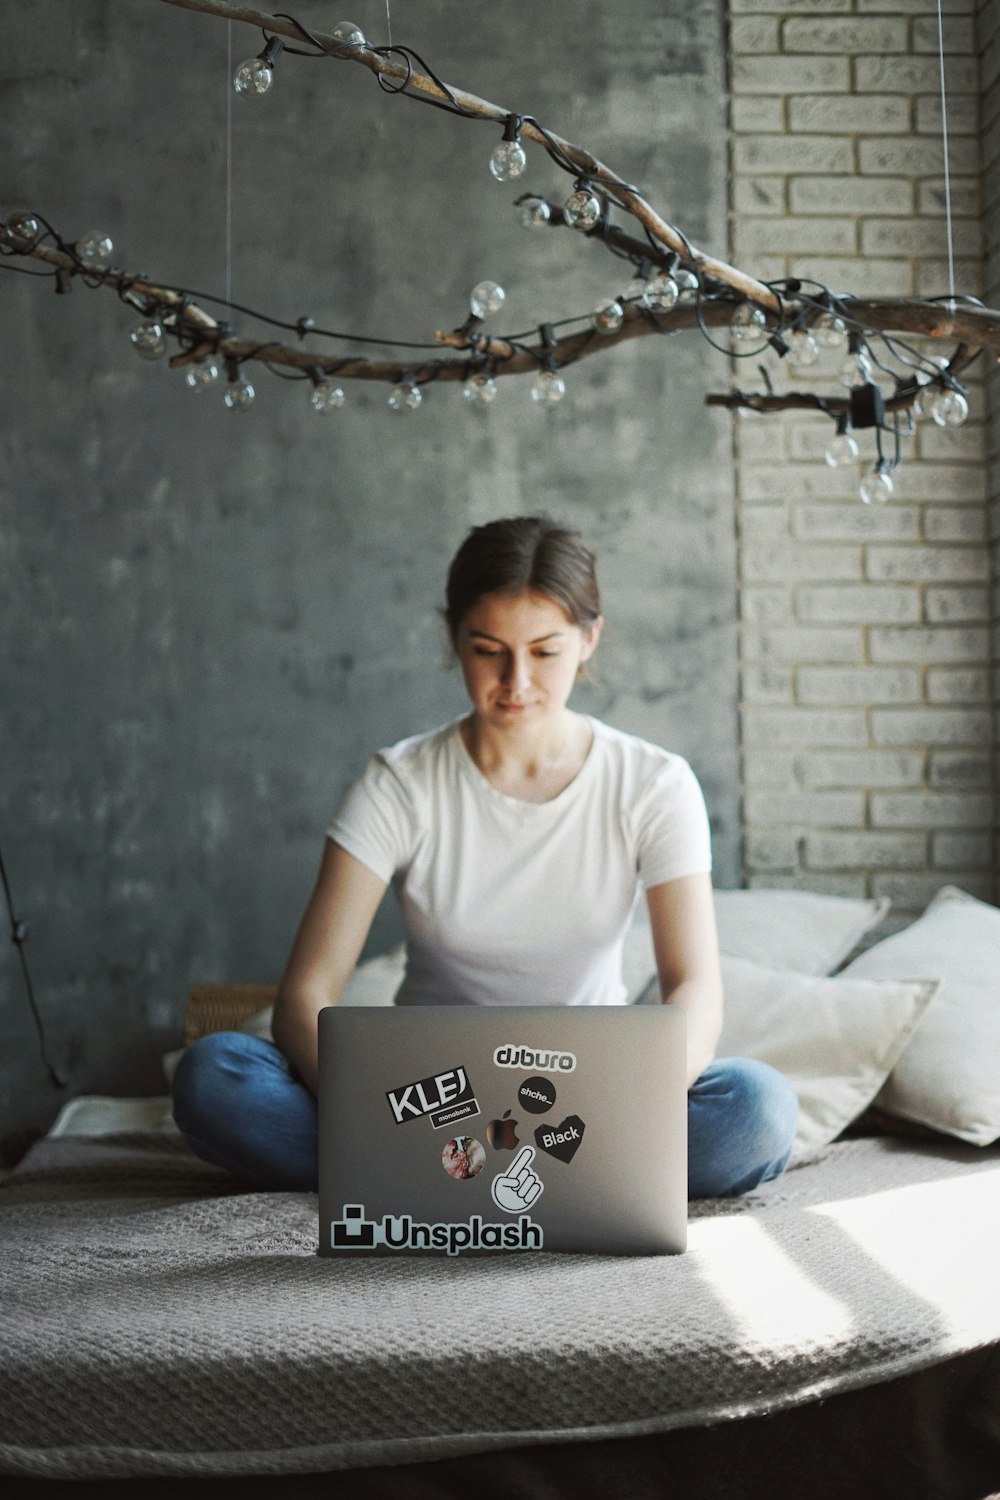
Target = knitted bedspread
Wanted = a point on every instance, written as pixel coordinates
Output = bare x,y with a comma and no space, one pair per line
159,1319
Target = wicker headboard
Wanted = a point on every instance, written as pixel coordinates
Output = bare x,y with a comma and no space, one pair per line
223,1007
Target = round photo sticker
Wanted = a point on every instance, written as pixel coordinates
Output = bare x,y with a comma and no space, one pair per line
463,1157
536,1095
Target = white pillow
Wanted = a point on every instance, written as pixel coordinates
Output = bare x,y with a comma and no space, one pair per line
949,1075
835,1040
800,930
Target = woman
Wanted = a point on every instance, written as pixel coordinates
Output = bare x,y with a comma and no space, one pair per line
516,839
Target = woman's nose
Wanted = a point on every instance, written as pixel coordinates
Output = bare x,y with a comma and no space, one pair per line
516,674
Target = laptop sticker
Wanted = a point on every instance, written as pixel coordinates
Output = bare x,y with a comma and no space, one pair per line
519,1187
354,1232
502,1134
463,1157
447,1097
561,1141
525,1057
537,1095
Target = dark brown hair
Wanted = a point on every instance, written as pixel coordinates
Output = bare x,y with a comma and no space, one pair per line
524,552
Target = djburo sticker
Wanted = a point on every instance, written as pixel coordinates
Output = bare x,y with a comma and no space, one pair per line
519,1187
536,1095
561,1141
510,1056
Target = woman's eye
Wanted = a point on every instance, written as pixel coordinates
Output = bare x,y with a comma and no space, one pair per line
482,651
547,653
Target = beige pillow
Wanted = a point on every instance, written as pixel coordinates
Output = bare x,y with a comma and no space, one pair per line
949,1075
835,1040
801,930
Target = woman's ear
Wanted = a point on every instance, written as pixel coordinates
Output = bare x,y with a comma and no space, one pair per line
591,639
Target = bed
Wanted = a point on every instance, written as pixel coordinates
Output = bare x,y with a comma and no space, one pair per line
836,1332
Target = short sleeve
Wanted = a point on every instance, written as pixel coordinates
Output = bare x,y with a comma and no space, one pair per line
672,831
374,821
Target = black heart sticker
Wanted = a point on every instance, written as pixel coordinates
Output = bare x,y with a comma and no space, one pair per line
561,1141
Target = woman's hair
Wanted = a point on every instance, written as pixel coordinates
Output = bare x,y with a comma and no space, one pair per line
525,552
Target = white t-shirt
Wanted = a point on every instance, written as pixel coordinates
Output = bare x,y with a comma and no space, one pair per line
507,902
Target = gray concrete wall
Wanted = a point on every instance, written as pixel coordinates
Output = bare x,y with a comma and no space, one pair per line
208,619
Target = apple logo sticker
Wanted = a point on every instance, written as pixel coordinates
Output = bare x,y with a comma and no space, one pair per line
502,1134
536,1095
561,1141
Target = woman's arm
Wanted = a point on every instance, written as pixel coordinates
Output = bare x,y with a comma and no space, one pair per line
329,941
682,916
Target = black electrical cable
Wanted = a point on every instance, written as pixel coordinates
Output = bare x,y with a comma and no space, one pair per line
19,936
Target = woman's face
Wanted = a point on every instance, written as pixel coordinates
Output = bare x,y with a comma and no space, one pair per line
520,654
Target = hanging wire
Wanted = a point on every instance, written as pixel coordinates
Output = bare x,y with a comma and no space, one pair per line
947,169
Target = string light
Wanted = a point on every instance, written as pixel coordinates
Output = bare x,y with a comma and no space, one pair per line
876,486
843,448
803,348
660,293
548,388
201,376
406,396
856,369
326,397
486,298
349,34
509,159
148,339
256,74
239,392
582,209
480,390
949,408
830,331
748,323
608,317
686,281
95,249
23,230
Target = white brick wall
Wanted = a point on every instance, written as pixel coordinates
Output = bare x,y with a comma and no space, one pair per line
870,637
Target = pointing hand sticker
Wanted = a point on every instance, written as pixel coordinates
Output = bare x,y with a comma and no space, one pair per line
516,1189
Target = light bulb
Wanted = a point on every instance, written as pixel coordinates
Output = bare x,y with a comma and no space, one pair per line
535,213
148,339
548,388
508,161
582,209
201,376
608,317
486,297
830,331
405,397
842,450
253,77
23,229
686,281
480,390
95,250
326,397
856,371
660,293
949,408
748,324
349,34
803,349
239,394
876,487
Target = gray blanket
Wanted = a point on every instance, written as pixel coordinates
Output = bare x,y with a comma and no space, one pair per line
158,1319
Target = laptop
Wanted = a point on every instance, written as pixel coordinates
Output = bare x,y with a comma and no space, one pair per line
470,1130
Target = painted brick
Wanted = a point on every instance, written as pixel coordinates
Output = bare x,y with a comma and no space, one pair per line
958,685
759,195
912,75
798,153
857,195
790,236
861,685
959,606
814,880
964,196
925,564
790,75
808,809
767,562
963,524
932,278
914,892
752,112
879,35
931,726
769,768
785,7
952,444
804,726
876,114
966,768
863,605
753,34
861,523
765,606
859,768
758,523
766,850
922,645
963,114
866,850
931,809
959,37
759,439
868,277
912,7
766,683
900,155
921,237
769,482
962,851
790,643
941,482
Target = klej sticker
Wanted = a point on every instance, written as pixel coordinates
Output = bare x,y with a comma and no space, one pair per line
446,1097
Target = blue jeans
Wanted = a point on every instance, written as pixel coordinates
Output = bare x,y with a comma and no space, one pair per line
239,1104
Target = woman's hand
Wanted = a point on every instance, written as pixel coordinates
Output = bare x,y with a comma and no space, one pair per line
330,938
682,917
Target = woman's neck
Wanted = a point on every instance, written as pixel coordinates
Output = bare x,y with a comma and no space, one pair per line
535,767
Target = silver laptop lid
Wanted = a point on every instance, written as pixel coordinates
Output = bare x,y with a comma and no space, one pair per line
464,1129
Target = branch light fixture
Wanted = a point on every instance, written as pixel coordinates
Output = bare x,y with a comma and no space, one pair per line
671,286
